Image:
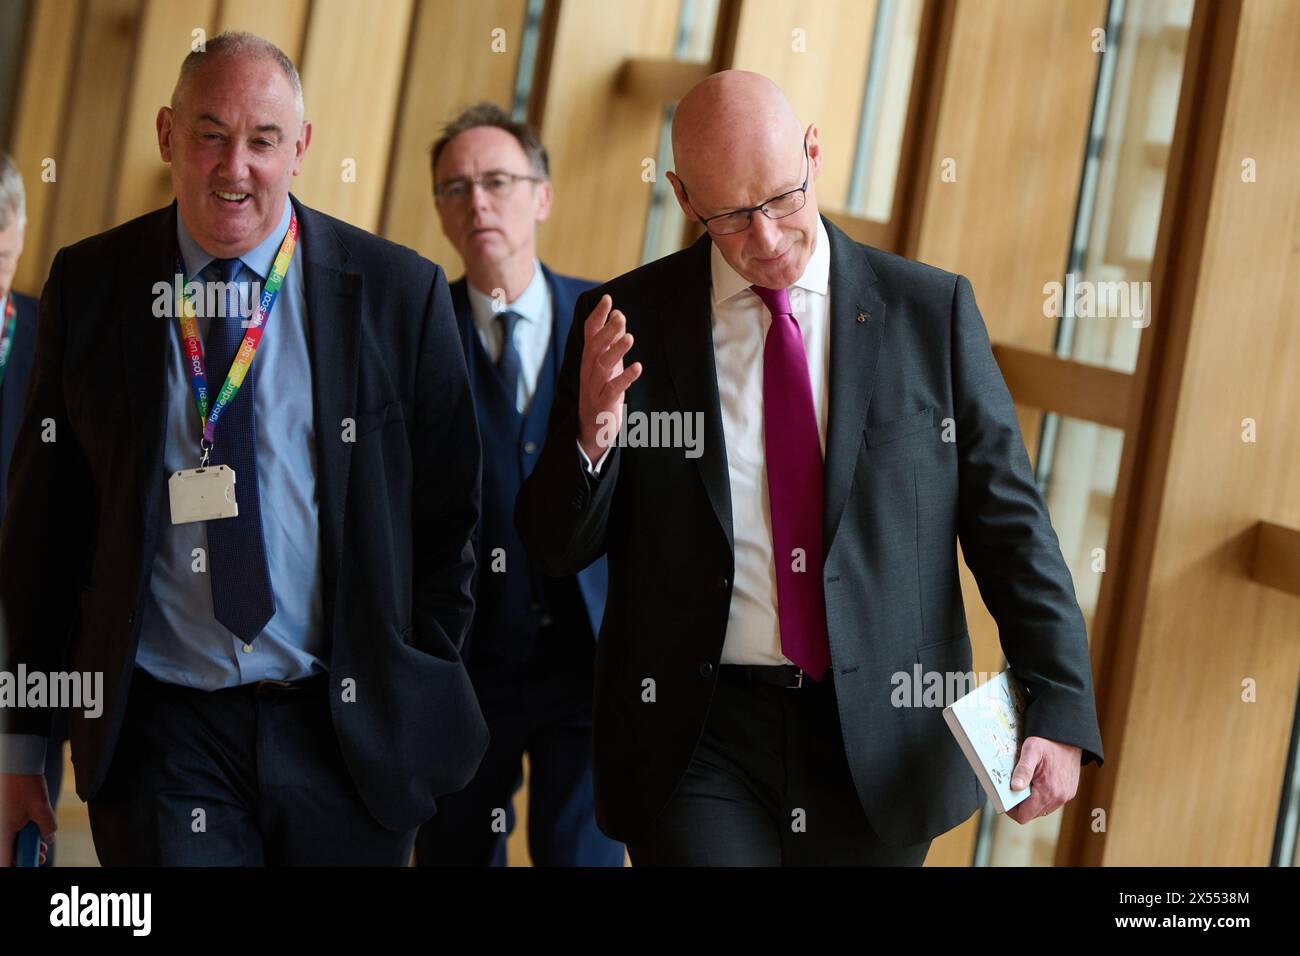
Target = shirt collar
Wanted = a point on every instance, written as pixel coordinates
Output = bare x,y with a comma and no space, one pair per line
530,305
260,258
727,282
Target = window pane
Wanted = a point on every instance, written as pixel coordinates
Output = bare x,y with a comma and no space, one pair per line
1104,305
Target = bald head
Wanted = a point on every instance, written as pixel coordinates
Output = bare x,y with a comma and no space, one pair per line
734,115
737,143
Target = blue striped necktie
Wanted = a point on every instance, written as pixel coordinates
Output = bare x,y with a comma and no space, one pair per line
241,579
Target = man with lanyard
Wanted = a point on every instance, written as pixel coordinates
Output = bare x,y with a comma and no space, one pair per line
269,487
531,649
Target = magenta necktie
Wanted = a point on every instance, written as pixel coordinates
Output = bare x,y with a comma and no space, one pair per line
794,488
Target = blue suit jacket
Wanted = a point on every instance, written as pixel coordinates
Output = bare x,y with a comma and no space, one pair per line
593,579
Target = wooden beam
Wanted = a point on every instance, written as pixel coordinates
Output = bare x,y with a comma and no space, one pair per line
866,231
659,79
1275,559
1088,392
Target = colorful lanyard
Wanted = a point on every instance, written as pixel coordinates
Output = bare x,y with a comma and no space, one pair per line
7,334
244,357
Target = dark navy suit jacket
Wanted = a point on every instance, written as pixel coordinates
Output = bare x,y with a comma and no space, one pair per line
398,503
14,388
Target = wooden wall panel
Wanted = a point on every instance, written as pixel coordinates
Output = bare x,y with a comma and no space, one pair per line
598,139
166,35
432,95
38,128
94,113
283,22
1016,102
1202,770
824,82
352,68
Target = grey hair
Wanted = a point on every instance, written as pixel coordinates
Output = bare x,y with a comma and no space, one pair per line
489,114
236,43
13,200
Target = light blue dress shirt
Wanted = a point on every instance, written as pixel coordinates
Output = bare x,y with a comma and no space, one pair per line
181,642
532,336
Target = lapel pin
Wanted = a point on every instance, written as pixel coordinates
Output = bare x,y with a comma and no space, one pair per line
861,317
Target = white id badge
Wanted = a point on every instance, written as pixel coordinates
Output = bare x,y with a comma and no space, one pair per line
201,494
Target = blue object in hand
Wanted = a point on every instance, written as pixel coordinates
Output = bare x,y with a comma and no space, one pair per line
27,846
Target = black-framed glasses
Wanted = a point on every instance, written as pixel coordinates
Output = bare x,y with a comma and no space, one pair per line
497,184
778,207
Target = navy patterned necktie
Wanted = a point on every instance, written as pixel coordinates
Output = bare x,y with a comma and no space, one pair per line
508,363
241,579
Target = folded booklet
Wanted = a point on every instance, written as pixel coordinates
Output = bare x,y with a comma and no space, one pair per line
988,724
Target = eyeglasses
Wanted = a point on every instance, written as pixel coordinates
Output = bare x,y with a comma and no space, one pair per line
497,184
778,207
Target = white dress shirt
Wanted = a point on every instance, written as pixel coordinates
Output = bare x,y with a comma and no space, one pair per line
740,324
532,332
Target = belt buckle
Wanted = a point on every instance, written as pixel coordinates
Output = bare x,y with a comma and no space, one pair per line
798,680
268,687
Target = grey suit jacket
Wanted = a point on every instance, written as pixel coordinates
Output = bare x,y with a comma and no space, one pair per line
909,355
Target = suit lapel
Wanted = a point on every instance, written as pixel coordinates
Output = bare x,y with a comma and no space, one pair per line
688,346
144,351
857,327
333,298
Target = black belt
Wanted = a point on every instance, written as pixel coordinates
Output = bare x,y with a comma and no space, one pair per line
261,688
788,676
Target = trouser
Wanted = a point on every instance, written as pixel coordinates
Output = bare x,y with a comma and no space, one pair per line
543,707
245,776
768,785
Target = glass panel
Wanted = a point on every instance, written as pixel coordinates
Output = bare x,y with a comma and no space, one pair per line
1104,301
884,109
1104,305
526,71
665,226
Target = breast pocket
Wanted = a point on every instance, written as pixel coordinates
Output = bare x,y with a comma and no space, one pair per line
914,425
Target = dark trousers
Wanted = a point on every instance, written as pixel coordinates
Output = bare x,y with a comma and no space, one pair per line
236,777
543,707
768,785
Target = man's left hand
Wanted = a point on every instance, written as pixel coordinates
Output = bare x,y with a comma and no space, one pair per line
1052,770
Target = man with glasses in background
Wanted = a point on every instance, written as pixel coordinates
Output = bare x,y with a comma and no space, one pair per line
768,595
531,646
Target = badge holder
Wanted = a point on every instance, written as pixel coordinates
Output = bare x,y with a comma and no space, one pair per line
203,493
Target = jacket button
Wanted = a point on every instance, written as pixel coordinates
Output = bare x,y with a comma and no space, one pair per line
530,447
130,616
706,668
577,503
724,582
